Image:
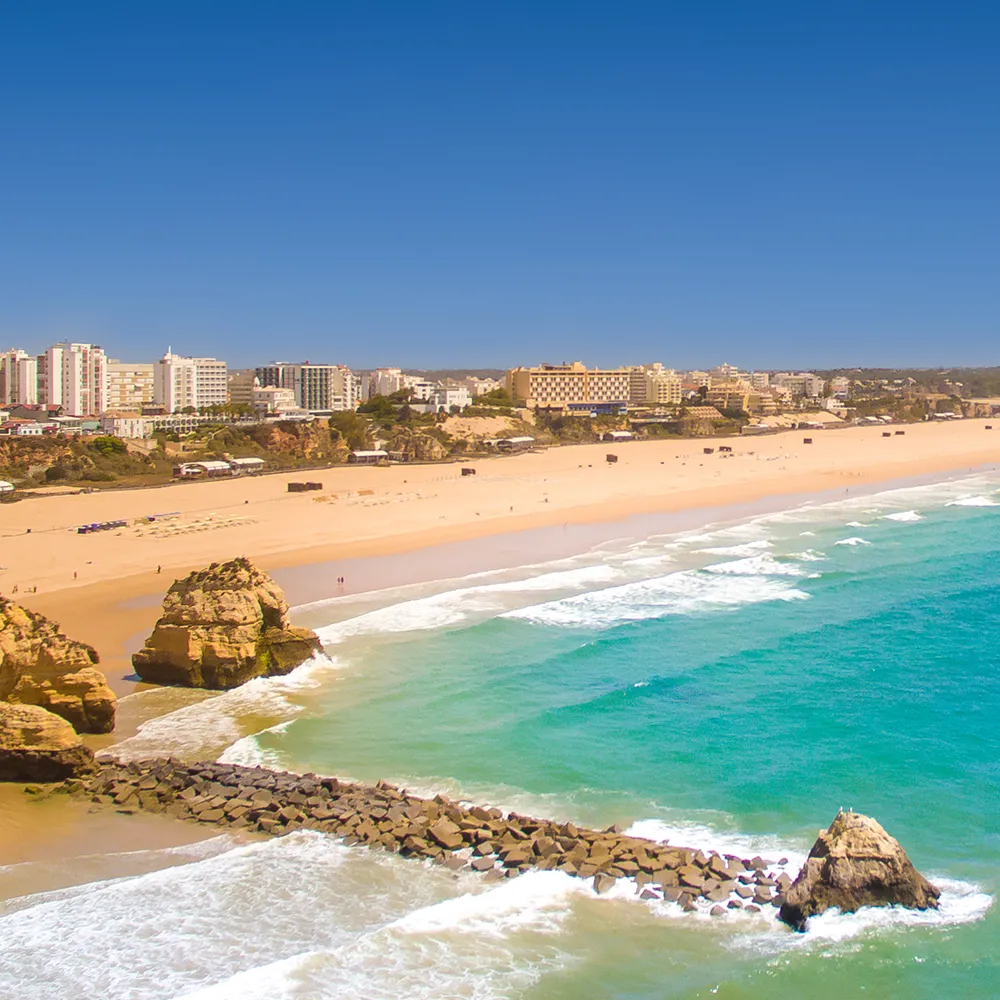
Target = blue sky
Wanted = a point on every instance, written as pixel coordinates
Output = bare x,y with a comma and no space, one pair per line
453,184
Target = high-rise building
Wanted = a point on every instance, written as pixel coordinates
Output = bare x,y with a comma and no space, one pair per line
386,381
241,388
76,378
317,388
567,387
130,386
655,385
181,383
18,377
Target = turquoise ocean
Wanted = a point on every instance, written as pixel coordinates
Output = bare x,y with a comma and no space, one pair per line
726,687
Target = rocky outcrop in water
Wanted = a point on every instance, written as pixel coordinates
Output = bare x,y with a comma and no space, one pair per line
36,745
496,844
221,627
855,863
41,666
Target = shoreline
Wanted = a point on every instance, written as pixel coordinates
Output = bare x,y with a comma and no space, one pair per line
115,615
366,511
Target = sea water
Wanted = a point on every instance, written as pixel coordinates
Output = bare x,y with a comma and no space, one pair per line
728,688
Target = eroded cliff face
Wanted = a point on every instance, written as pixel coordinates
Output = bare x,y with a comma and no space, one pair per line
36,745
855,863
221,627
41,666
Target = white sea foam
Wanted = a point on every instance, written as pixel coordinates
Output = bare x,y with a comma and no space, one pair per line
486,944
810,555
765,565
687,592
249,753
857,524
701,836
746,549
904,516
978,501
960,903
463,605
853,541
214,724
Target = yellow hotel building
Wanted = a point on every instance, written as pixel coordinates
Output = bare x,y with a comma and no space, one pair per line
573,386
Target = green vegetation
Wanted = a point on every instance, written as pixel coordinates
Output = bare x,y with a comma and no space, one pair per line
499,398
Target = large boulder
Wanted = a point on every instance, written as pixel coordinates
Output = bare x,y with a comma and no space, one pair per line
855,863
41,666
221,627
36,745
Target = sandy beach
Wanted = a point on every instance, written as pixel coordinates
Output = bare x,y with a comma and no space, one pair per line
372,511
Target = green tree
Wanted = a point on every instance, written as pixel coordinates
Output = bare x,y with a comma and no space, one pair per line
354,430
108,445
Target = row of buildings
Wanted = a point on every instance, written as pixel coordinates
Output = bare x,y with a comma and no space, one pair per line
82,381
79,381
575,388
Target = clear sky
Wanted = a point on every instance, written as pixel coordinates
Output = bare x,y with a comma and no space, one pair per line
486,184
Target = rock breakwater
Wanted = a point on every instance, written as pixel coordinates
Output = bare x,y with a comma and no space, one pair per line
496,844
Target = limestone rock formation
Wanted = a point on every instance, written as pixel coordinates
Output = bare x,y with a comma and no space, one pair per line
36,745
41,666
855,863
221,627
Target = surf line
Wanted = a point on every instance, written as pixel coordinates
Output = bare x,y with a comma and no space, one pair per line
461,837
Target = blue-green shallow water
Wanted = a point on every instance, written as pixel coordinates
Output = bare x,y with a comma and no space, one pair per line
727,688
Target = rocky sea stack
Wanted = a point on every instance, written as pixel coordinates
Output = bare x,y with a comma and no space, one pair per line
855,863
36,745
41,666
221,627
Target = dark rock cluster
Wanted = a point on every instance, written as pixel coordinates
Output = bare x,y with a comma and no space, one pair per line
499,845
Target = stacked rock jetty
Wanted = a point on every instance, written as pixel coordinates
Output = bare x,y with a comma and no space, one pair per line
486,840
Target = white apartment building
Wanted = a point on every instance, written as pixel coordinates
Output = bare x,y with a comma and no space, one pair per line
130,386
273,399
128,426
360,387
18,377
840,387
421,389
180,383
800,383
76,378
386,381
